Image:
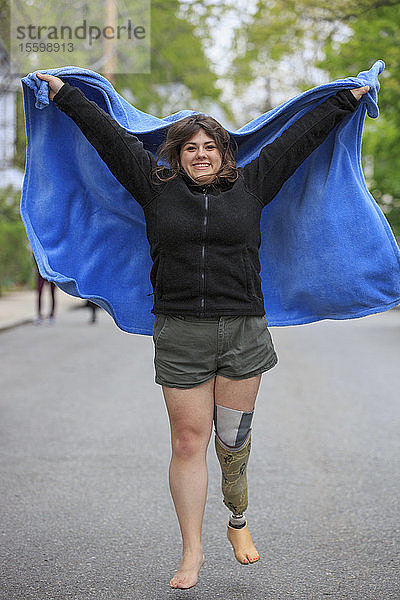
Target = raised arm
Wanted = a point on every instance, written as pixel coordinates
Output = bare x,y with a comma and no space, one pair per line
266,174
122,152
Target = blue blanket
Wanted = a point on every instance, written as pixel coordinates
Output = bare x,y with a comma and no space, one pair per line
327,250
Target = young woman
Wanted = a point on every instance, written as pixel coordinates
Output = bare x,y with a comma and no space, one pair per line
211,337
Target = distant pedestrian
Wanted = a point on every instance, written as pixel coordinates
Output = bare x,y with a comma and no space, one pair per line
40,284
93,308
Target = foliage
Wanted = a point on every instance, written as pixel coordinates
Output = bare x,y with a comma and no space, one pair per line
340,38
9,205
15,260
180,77
15,257
179,66
374,35
181,73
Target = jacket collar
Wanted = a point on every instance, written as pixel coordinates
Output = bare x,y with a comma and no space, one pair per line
212,188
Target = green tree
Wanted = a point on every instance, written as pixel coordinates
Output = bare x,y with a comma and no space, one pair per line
16,263
181,77
179,66
339,39
181,73
375,34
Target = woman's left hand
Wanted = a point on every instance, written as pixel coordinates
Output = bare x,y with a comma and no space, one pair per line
358,92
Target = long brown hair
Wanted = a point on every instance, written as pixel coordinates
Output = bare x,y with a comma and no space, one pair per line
180,132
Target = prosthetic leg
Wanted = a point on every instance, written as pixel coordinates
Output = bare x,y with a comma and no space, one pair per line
232,445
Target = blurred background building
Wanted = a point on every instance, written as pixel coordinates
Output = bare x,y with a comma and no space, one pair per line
9,86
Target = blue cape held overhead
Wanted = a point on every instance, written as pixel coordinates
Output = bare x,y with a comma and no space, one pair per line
327,250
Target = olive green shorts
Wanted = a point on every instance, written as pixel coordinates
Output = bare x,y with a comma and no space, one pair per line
190,350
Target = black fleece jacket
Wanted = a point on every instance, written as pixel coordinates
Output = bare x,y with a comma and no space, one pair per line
204,239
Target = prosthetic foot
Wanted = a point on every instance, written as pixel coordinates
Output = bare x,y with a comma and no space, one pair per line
244,550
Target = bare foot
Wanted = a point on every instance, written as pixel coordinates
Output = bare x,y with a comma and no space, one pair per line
188,572
243,547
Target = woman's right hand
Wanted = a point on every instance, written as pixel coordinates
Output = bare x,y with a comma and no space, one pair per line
55,83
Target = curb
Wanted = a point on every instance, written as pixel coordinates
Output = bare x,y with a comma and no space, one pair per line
19,321
13,324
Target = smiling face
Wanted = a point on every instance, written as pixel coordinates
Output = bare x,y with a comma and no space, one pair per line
200,157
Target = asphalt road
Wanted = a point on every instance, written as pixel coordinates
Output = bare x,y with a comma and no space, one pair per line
84,450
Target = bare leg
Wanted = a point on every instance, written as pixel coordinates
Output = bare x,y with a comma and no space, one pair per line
53,299
191,417
240,395
39,285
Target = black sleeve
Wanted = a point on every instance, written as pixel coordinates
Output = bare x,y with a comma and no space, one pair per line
122,152
278,160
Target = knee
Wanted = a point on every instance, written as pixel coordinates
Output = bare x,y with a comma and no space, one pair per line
188,444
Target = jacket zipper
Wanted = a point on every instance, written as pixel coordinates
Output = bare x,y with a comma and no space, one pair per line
203,255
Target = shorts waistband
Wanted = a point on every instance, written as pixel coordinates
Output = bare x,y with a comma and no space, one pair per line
215,319
193,318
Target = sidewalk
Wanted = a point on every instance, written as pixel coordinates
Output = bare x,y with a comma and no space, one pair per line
19,308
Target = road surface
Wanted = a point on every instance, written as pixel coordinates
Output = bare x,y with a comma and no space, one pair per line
84,452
